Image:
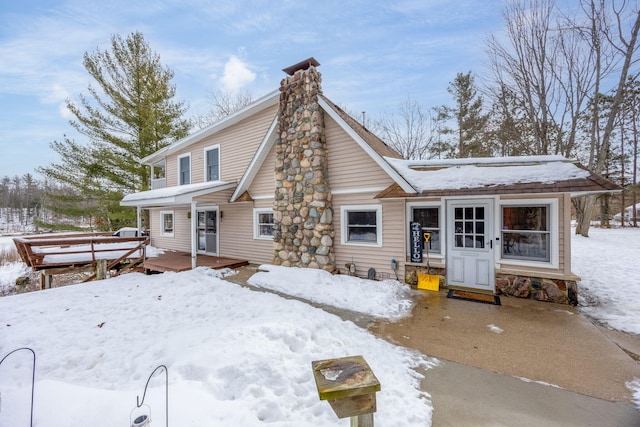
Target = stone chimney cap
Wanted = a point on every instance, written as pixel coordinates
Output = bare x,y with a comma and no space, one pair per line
302,65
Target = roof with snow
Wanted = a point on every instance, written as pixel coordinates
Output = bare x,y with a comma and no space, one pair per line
497,175
176,195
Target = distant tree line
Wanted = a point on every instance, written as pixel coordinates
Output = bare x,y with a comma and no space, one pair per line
21,196
25,204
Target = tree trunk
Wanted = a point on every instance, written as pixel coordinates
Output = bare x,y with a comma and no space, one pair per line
584,208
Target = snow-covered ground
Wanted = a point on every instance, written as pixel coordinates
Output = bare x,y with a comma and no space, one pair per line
236,356
608,263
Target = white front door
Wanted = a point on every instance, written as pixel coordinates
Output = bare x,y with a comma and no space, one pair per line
207,231
470,259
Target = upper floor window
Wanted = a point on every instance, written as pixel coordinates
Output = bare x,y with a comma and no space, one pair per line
184,169
158,171
212,163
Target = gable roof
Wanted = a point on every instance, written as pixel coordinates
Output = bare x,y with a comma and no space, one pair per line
258,105
370,143
498,175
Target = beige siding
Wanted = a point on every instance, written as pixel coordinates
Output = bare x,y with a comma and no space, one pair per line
181,240
350,166
365,257
238,145
219,197
236,235
264,184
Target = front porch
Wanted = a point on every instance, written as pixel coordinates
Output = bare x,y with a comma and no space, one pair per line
181,261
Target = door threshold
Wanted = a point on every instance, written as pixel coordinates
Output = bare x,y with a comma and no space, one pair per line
466,289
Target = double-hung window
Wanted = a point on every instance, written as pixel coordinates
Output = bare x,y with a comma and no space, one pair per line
166,222
184,169
527,233
263,226
362,225
212,163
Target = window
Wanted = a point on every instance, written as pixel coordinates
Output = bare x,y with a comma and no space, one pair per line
184,169
212,163
362,225
526,232
429,218
166,222
158,175
469,227
263,226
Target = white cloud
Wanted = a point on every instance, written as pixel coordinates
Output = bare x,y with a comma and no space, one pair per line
236,75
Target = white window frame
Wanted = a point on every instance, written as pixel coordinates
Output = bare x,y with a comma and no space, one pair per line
163,232
206,150
554,233
256,223
441,225
344,226
180,170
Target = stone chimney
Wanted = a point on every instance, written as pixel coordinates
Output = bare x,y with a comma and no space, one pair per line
303,213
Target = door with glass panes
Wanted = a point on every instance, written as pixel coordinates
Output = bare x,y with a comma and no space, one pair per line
470,260
207,231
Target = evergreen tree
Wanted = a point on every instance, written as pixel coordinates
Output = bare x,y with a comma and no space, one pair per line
468,117
129,115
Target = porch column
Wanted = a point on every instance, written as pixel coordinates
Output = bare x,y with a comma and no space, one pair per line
194,237
139,220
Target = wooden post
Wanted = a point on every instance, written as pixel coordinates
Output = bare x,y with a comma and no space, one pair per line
101,269
350,387
46,280
365,420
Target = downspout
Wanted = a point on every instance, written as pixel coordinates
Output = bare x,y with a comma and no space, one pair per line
193,236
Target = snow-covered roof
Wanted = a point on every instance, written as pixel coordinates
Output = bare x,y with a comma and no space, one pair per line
176,195
453,174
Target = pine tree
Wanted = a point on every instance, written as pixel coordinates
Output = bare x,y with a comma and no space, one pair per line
127,116
468,117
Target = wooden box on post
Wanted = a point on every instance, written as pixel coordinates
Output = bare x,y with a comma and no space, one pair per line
350,387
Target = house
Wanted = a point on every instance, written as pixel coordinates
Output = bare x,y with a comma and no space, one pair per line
293,180
629,213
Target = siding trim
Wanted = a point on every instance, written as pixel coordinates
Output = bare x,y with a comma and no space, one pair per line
257,161
367,148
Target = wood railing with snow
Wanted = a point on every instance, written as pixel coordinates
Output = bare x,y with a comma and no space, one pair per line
79,249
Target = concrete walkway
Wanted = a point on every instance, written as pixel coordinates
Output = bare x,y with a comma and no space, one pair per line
499,363
524,363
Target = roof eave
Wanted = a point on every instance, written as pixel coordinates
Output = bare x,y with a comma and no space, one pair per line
178,199
266,101
397,178
257,161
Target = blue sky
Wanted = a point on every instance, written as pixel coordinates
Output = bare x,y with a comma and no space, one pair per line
373,54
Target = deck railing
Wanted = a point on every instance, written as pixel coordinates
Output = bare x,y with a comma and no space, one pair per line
78,249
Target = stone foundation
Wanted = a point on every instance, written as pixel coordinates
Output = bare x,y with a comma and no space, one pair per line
303,211
411,274
559,291
551,290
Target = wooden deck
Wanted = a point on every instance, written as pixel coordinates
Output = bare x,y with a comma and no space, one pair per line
181,261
